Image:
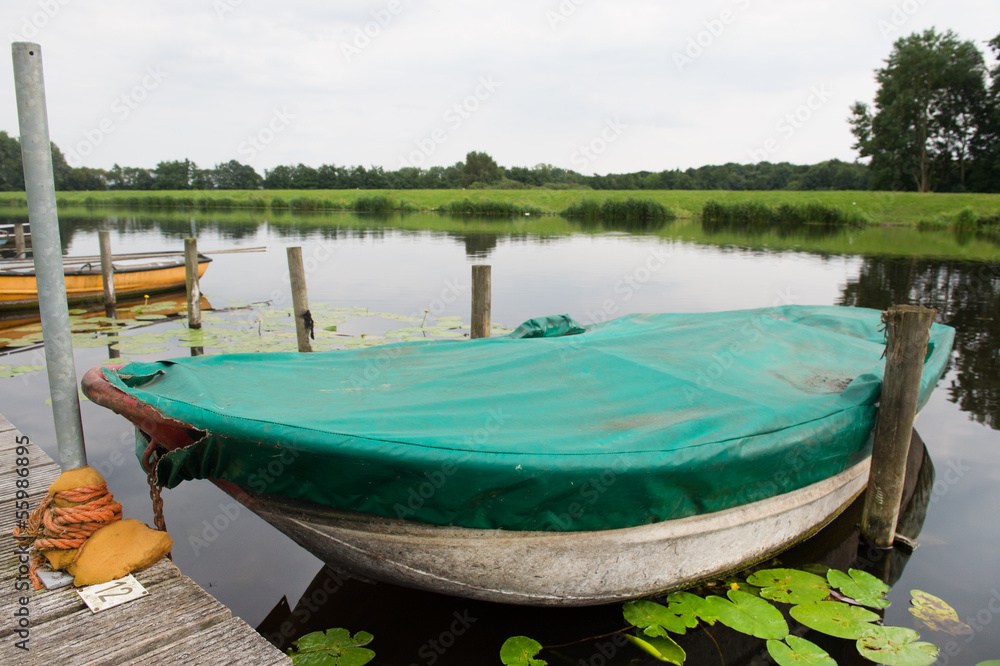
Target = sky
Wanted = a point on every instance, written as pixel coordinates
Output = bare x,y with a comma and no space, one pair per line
590,85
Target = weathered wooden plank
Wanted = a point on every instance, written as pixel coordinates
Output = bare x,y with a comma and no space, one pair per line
174,610
49,605
232,642
39,480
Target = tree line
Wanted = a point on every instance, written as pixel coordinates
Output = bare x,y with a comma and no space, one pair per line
934,126
479,170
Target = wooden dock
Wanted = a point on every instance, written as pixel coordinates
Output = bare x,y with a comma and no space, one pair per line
178,623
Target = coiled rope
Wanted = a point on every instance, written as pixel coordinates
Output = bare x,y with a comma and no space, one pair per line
66,528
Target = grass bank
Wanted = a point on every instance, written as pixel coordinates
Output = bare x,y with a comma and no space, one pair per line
906,208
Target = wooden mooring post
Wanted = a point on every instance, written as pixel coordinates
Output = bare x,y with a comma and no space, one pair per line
300,299
907,333
191,281
481,302
107,272
19,245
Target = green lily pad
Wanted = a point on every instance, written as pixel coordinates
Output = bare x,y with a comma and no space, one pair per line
332,329
320,647
662,649
653,618
936,614
835,618
150,316
991,662
896,646
861,586
691,608
789,586
15,370
750,615
78,311
521,651
798,652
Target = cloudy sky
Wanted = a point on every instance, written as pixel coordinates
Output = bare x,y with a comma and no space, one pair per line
591,85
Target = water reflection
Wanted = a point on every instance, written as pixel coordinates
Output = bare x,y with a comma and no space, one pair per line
804,231
967,297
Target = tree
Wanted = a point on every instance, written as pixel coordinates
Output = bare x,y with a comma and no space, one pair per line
232,175
11,170
986,146
480,168
928,92
174,175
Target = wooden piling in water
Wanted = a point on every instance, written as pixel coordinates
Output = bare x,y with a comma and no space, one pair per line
300,299
481,302
191,282
107,272
19,244
907,333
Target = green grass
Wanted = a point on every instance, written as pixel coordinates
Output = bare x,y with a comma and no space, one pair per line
644,211
489,207
796,214
907,208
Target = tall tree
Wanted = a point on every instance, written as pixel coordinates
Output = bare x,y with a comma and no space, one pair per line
175,175
11,171
986,147
928,94
480,168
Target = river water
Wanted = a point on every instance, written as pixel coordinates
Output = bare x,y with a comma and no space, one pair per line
411,264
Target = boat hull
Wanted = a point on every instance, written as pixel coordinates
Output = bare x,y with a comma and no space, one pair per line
558,568
19,292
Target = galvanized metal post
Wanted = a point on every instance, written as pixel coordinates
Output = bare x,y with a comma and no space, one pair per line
107,272
39,183
191,282
300,299
481,302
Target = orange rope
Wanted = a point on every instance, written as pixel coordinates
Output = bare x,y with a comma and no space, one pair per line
66,528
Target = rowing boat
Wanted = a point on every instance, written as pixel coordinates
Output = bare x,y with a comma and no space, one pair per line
557,465
134,275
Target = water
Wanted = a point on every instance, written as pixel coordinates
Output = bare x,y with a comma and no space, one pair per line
545,266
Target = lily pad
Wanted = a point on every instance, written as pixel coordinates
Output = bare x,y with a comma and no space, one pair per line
896,646
691,608
15,370
750,615
835,618
861,586
662,649
653,618
150,316
936,614
319,647
789,586
521,651
798,652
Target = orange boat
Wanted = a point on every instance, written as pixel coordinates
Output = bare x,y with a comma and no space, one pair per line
134,275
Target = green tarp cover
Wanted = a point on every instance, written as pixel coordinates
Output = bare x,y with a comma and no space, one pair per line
557,426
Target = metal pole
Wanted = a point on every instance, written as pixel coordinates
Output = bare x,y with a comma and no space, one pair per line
39,183
107,272
481,297
191,281
300,299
